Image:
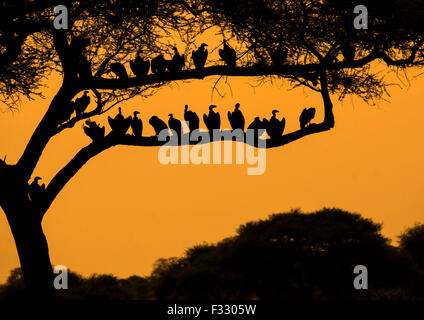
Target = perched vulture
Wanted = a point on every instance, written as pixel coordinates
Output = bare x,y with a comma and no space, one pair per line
306,117
191,119
236,118
275,127
213,119
228,55
200,56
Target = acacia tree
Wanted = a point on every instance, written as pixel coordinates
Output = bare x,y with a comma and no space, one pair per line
311,33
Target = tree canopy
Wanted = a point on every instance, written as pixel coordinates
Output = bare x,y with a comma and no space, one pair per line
288,256
312,32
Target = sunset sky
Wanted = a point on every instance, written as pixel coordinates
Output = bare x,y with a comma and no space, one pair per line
124,209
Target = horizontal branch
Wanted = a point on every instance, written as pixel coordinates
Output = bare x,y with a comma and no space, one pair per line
95,148
252,71
111,140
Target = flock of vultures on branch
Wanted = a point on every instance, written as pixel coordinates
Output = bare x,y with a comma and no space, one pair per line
120,124
140,68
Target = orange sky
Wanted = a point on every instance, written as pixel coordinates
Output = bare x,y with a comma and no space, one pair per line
124,209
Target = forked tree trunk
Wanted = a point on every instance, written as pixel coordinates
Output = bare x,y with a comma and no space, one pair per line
33,251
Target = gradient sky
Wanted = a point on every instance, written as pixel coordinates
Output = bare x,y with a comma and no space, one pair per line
124,210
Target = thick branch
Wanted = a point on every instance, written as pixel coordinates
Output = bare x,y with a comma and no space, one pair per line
42,134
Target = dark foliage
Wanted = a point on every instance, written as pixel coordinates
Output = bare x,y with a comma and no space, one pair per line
287,256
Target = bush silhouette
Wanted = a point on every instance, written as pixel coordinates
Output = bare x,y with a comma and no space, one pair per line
287,256
290,255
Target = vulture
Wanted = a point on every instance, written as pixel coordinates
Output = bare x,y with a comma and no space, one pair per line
119,70
348,52
278,57
274,127
191,119
93,130
35,190
140,67
236,118
228,55
158,64
136,125
82,103
119,124
306,117
256,125
157,124
177,62
213,120
175,124
200,56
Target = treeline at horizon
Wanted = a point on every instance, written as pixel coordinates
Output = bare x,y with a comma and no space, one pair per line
291,255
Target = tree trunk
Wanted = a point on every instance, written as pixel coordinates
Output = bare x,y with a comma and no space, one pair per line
25,223
34,256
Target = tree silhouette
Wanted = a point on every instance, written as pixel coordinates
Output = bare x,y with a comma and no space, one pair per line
288,256
306,42
411,241
291,255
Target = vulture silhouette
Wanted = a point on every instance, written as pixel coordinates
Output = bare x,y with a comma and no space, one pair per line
213,119
136,124
200,56
177,62
191,119
306,117
279,57
174,124
348,52
139,66
119,124
158,124
228,55
236,118
119,70
36,191
94,131
256,125
274,127
158,64
82,103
